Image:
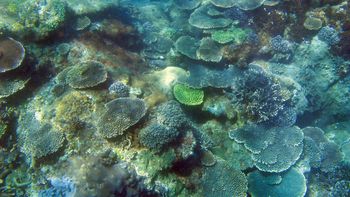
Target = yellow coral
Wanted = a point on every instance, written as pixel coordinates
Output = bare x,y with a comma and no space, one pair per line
73,111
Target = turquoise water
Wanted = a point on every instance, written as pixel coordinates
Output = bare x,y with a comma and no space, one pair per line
212,98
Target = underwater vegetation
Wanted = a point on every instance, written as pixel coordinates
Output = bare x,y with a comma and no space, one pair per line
174,98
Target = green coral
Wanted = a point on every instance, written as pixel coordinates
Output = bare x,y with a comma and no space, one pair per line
187,95
234,34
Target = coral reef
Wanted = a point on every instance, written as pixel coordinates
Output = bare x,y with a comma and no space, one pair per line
33,19
174,98
100,179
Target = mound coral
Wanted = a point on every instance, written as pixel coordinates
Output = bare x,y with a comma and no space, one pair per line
12,54
170,115
119,88
156,136
329,35
187,95
86,74
280,45
167,122
119,115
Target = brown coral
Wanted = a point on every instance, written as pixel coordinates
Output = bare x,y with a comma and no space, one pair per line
11,54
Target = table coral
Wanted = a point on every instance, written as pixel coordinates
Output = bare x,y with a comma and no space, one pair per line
119,115
187,95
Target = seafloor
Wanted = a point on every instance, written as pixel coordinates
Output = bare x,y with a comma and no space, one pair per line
212,98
